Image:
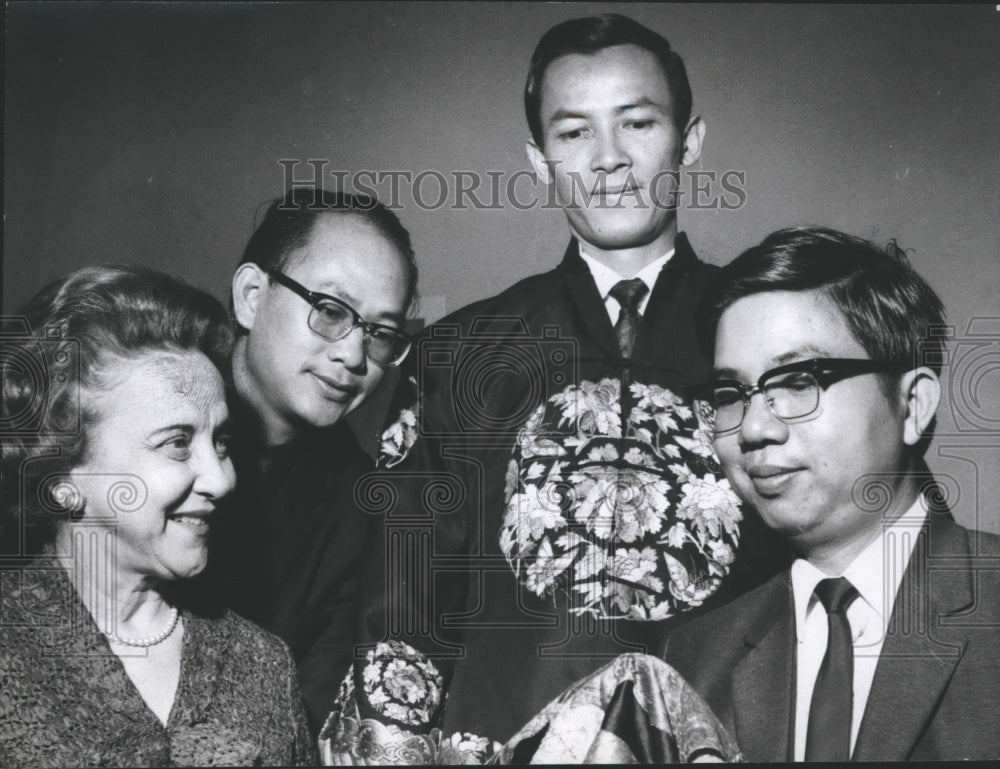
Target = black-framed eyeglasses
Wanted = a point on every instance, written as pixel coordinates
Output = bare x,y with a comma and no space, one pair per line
791,391
333,319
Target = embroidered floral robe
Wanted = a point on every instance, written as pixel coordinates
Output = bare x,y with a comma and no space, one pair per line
548,504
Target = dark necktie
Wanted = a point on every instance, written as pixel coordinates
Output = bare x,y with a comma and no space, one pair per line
828,737
628,294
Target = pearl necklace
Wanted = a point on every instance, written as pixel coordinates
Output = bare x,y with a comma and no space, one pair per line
144,643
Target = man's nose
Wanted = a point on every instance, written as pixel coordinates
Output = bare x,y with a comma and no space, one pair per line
350,349
609,153
760,425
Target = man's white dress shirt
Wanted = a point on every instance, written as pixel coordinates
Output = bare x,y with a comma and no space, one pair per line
876,574
606,278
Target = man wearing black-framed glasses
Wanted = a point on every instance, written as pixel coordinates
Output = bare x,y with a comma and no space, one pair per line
333,319
319,299
350,256
791,392
880,642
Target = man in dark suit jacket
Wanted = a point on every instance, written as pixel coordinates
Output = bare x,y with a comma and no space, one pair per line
882,641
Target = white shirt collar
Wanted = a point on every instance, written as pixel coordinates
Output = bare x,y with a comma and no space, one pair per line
606,278
876,572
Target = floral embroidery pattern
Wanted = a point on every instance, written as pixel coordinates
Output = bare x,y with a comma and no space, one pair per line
631,517
587,724
402,685
399,437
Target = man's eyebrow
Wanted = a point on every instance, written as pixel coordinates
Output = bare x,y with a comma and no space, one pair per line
333,289
389,317
724,373
642,103
566,114
802,353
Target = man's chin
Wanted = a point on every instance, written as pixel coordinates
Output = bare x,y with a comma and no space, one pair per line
780,515
621,235
323,416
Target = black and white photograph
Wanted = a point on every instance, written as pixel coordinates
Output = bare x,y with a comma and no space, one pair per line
380,383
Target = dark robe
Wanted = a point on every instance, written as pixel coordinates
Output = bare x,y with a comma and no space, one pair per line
289,547
479,374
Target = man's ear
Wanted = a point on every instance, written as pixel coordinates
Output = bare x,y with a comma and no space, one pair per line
538,161
921,390
248,282
694,135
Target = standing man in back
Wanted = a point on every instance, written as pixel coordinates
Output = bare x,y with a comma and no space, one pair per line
562,506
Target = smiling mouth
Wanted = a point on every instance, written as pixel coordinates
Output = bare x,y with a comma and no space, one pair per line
334,391
772,481
194,522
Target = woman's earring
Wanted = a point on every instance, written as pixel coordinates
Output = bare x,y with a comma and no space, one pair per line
67,497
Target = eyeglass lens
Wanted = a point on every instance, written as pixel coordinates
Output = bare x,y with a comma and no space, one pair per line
788,396
333,321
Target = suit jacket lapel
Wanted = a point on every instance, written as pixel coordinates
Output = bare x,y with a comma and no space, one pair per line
918,656
586,301
763,682
668,312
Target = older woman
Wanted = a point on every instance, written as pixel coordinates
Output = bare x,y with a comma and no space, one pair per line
115,448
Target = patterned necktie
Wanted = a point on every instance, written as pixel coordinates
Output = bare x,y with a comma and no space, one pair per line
828,736
628,294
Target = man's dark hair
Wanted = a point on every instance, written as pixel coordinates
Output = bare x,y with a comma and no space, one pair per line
289,221
890,310
591,35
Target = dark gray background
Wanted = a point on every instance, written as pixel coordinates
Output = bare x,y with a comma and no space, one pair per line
150,132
